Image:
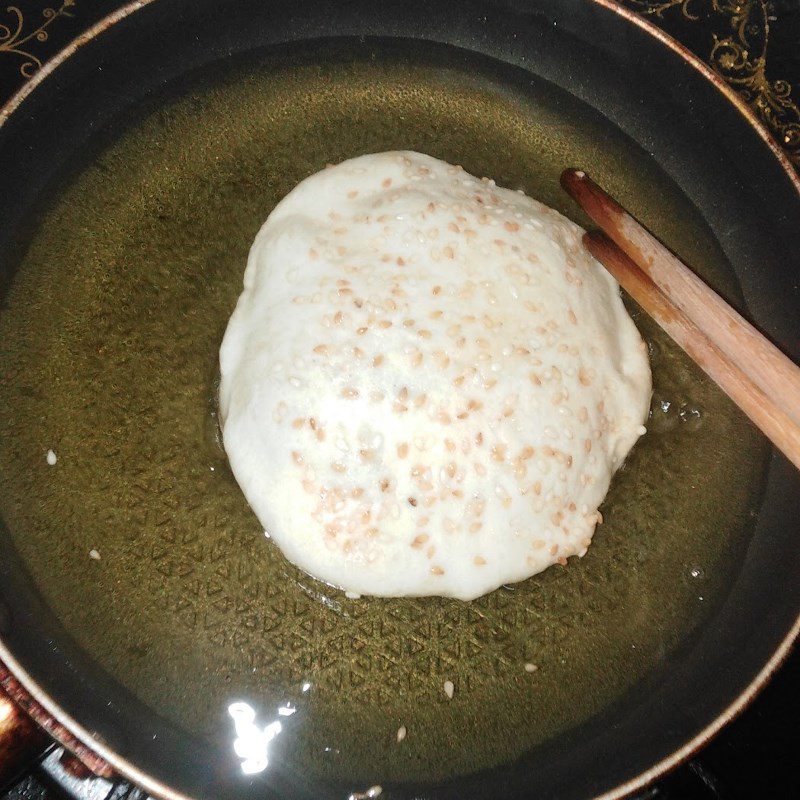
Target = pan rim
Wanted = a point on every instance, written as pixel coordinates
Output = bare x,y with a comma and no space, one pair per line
130,771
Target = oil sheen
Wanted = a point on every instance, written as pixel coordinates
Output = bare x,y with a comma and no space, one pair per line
109,337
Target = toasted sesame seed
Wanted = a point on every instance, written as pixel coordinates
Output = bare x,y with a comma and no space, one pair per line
401,733
530,667
449,689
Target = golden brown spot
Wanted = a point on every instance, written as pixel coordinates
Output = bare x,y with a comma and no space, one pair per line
479,561
352,193
448,251
572,318
587,445
412,501
498,452
385,323
321,349
298,423
362,330
378,360
511,227
583,377
386,183
297,458
349,393
399,408
402,450
436,570
436,290
419,540
534,379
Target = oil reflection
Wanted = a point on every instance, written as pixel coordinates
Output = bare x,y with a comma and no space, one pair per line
252,743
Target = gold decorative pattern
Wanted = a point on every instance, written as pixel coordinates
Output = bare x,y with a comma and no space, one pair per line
739,37
657,8
15,41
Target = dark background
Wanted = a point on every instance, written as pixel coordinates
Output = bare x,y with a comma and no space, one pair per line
757,755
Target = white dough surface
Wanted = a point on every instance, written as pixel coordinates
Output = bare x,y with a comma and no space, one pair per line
427,382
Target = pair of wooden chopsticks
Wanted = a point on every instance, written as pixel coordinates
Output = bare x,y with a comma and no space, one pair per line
760,379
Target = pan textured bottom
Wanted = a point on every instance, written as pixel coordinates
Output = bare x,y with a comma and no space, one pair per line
142,542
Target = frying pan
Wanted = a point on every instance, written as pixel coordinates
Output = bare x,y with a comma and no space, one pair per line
137,167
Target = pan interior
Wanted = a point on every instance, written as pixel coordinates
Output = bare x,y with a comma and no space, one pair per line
109,338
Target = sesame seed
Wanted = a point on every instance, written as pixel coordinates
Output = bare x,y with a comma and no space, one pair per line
449,689
94,555
51,458
401,733
530,667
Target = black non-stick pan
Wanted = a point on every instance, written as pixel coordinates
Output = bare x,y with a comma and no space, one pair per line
141,604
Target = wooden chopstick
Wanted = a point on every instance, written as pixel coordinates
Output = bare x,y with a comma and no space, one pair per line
766,366
773,421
